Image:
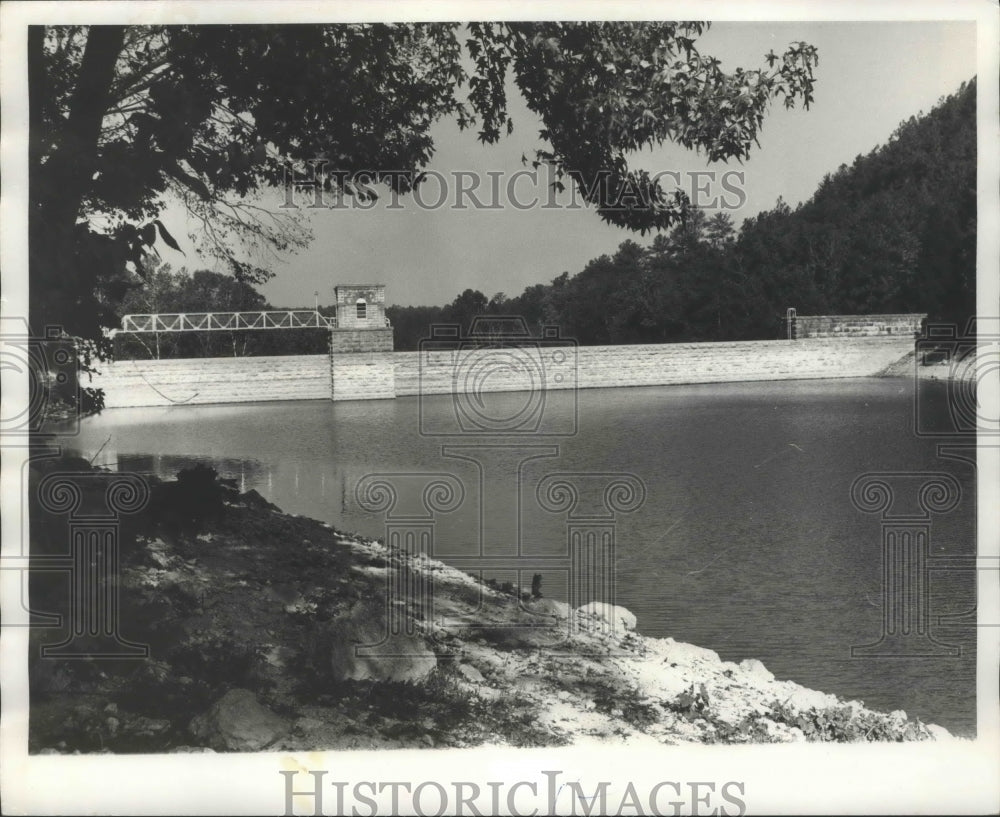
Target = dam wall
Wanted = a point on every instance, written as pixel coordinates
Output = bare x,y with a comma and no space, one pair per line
594,367
129,383
367,375
839,326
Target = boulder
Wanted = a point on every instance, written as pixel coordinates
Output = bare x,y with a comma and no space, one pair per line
363,649
471,674
938,732
548,607
756,670
617,617
237,722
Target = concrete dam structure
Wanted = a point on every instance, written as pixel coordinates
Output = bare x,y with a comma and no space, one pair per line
498,355
852,326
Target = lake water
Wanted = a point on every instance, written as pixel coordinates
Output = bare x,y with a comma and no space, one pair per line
747,541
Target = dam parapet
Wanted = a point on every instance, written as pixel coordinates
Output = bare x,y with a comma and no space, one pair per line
361,364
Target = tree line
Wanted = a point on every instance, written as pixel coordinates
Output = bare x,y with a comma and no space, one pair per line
893,232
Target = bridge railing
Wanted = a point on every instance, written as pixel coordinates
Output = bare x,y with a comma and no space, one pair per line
227,321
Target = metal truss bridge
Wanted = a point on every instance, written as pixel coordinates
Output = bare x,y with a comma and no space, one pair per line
227,321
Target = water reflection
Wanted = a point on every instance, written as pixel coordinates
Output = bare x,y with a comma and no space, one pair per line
244,473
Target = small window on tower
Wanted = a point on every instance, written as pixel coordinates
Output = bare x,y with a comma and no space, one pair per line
362,309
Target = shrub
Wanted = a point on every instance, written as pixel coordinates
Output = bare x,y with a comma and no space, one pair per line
197,496
536,586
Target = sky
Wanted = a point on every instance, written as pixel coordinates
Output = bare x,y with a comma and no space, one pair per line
871,76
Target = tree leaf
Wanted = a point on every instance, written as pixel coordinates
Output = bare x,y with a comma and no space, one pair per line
167,238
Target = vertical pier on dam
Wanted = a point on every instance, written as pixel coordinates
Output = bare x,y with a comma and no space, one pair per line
361,357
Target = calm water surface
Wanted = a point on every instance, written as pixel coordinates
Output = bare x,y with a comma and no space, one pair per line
747,542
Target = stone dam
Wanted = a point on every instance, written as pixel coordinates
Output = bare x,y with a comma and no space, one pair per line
498,354
367,375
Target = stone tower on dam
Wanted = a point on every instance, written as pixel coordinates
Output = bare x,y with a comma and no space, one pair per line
361,365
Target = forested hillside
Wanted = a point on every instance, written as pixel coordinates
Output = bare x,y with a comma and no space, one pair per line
893,232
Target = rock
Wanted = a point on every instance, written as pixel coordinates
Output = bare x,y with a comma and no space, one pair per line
252,499
144,727
306,725
239,723
277,657
470,673
532,635
548,607
756,670
804,699
617,617
938,732
161,559
362,649
681,653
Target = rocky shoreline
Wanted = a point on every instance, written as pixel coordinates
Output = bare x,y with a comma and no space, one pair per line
254,618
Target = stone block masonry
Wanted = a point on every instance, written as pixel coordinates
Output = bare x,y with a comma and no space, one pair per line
360,306
665,364
347,341
839,326
362,376
732,362
361,366
377,374
128,383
